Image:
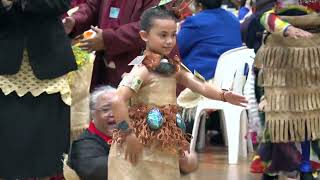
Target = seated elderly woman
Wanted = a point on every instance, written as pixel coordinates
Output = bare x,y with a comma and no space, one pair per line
88,156
203,38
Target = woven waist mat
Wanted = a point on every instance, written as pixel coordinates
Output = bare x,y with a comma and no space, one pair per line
169,137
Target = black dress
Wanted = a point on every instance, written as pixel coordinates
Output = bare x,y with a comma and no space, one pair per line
34,130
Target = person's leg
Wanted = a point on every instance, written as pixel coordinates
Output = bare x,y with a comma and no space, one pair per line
305,167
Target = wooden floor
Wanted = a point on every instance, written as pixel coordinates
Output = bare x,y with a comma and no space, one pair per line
214,166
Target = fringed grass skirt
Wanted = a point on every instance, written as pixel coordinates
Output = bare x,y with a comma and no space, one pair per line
291,78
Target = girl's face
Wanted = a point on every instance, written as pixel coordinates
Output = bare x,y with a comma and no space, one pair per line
161,37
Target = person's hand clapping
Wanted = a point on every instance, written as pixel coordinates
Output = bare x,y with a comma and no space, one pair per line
95,43
68,23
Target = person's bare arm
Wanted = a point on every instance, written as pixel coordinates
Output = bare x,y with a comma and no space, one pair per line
190,81
127,89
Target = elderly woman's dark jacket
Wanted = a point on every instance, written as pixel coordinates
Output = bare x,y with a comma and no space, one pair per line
35,25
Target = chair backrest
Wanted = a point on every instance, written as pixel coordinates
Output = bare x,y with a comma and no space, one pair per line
233,67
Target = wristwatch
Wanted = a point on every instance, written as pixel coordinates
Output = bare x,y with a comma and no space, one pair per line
123,126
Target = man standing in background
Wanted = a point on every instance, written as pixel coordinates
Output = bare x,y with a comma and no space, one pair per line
117,41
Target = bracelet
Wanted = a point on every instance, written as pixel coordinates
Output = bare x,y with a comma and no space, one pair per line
223,95
285,31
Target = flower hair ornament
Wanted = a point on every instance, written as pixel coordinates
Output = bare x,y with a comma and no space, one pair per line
178,7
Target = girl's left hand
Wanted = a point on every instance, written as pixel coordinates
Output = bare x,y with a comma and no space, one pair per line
133,149
95,43
235,99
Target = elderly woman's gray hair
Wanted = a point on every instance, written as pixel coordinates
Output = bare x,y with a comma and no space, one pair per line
96,94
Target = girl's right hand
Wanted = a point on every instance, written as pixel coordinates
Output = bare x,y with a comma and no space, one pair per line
133,149
297,33
235,99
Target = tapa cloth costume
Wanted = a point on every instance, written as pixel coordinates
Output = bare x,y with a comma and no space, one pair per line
162,147
290,76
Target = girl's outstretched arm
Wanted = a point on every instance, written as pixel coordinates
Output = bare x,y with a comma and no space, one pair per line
190,81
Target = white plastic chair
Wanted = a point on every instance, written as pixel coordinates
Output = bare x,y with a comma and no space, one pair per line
229,75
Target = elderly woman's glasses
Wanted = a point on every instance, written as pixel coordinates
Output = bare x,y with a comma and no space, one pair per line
104,110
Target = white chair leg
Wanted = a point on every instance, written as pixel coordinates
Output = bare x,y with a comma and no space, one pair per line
243,131
232,119
195,130
223,127
202,132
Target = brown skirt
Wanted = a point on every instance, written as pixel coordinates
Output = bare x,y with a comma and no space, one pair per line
169,137
291,78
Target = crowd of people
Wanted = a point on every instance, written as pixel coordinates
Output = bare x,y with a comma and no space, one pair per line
145,51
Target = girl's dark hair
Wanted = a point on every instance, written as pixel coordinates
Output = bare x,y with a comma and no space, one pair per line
151,14
209,4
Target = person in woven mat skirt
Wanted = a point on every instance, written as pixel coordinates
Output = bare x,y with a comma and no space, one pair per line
290,63
35,99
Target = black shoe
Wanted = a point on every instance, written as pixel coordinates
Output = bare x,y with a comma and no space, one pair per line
306,176
267,177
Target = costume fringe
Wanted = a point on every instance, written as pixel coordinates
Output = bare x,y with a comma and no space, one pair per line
284,127
292,100
287,58
291,78
170,137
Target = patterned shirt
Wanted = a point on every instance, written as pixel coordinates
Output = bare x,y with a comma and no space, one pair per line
274,24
